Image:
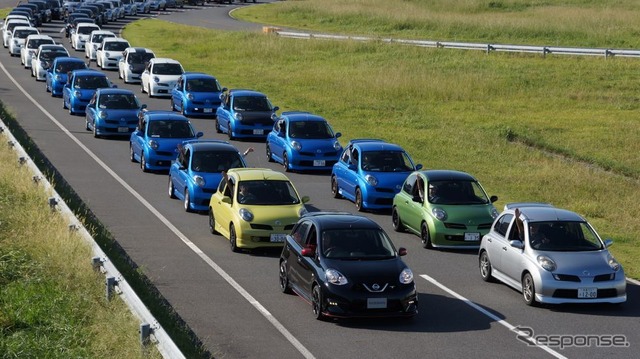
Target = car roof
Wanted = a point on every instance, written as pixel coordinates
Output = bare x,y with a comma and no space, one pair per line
302,116
51,46
210,145
102,32
40,36
25,27
114,91
157,60
191,75
138,49
114,39
248,174
340,220
443,175
87,72
244,92
159,115
375,145
68,59
88,24
544,212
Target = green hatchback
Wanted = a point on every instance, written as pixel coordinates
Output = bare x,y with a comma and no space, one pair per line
447,209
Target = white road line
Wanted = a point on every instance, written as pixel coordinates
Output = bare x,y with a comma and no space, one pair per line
489,314
304,351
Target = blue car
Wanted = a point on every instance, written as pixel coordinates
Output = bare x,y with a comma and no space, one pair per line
303,141
155,141
80,87
245,114
196,94
57,74
196,173
370,172
113,112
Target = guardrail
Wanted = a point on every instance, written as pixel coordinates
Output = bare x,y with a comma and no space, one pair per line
543,50
151,332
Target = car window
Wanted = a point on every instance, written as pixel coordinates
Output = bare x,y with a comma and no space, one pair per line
91,82
115,46
502,224
457,192
409,184
356,244
119,101
299,232
386,161
309,130
269,192
170,129
65,67
217,161
251,103
167,69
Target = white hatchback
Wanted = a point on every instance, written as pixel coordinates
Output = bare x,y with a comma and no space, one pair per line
160,75
95,40
81,35
31,43
111,51
18,37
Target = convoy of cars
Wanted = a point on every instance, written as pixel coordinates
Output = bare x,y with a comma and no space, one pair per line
344,264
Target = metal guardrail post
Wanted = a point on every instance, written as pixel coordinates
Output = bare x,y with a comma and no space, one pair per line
111,284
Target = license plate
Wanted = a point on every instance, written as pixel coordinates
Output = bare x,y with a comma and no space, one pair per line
208,110
123,129
472,237
318,163
277,237
587,292
376,303
258,132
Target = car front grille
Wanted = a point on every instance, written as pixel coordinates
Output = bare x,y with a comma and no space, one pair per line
604,277
573,293
567,277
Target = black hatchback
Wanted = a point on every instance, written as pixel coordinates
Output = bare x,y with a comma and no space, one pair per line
346,266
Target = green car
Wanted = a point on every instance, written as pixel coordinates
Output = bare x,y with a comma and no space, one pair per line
455,211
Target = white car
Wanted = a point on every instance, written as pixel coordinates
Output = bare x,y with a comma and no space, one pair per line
109,54
31,43
95,40
81,35
7,29
159,76
133,62
43,59
18,37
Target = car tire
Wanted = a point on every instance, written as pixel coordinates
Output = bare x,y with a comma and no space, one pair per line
86,125
64,104
218,130
316,302
285,162
172,190
212,222
229,131
172,105
528,290
395,219
425,236
268,153
143,163
187,201
284,278
233,240
358,201
335,190
132,157
142,87
485,267
95,131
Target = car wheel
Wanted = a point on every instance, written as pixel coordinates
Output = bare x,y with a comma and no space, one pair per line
269,156
233,240
395,219
425,236
485,267
143,163
359,200
284,278
86,125
285,162
132,157
46,87
230,131
316,302
528,290
218,130
187,200
172,106
182,110
212,222
335,190
142,87
172,190
95,131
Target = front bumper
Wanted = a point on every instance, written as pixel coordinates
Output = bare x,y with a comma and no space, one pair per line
350,302
552,291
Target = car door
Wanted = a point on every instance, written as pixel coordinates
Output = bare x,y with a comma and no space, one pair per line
137,138
410,208
348,179
497,241
66,91
177,93
299,235
513,256
221,204
181,179
144,77
278,141
92,109
223,113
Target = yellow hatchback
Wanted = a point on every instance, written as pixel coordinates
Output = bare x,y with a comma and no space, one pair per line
255,207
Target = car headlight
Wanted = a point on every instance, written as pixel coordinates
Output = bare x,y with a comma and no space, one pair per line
156,79
302,211
335,277
190,96
246,214
296,145
154,144
199,180
77,94
371,180
439,213
406,276
102,115
131,68
546,263
613,263
238,116
336,146
106,54
494,213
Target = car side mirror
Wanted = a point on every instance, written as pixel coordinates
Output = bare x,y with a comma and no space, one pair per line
226,199
308,251
516,244
199,134
608,242
493,199
338,134
402,251
275,108
114,86
418,166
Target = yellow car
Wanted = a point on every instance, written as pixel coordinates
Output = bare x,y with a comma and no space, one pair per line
255,207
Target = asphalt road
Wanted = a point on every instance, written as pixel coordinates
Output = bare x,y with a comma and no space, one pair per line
233,302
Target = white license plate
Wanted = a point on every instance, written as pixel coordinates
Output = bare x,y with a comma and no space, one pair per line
376,303
587,292
208,110
278,237
123,129
472,237
258,132
318,163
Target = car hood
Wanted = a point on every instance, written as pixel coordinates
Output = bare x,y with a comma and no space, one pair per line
270,214
207,97
167,78
120,114
249,116
368,271
472,214
311,145
137,68
211,179
583,264
169,144
389,179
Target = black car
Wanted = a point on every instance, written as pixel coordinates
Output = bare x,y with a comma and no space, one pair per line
346,266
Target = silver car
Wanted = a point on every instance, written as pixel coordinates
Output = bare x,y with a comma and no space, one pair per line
552,256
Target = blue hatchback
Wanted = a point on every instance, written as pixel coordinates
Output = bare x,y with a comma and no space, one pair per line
112,112
80,87
303,141
196,173
57,73
196,94
245,114
370,172
155,141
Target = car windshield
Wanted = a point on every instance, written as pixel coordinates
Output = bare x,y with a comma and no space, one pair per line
561,236
356,244
203,85
170,129
116,45
51,54
267,192
86,30
456,192
310,130
91,82
65,67
99,37
215,161
167,69
386,161
251,103
136,58
22,34
34,43
118,101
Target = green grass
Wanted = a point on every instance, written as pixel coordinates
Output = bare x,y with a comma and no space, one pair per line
52,304
558,129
